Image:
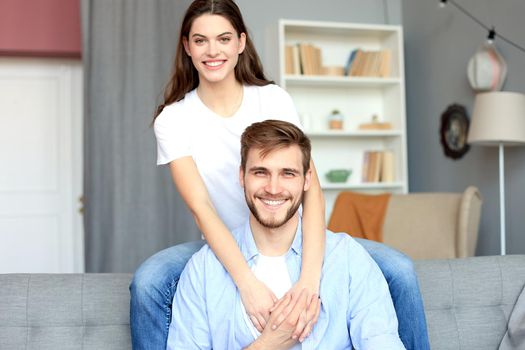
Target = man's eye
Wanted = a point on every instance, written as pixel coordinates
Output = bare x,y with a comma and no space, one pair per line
289,174
259,173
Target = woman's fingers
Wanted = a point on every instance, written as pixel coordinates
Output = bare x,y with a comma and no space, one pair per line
284,311
312,315
256,323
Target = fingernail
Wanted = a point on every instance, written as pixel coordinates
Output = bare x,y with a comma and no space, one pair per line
301,340
294,337
274,327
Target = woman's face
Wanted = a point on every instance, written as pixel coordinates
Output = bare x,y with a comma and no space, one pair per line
214,47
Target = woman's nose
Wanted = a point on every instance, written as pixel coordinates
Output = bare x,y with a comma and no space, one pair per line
213,49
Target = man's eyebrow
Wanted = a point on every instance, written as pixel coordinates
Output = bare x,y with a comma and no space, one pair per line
204,36
291,170
257,168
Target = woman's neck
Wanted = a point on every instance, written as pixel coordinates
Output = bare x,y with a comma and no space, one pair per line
223,98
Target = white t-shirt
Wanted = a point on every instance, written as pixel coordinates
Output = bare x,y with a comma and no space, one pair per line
273,272
189,128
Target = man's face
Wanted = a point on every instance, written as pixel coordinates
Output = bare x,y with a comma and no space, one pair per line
274,185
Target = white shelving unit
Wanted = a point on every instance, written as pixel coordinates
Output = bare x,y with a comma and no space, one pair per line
357,98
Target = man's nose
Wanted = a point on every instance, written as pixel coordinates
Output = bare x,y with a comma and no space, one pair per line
273,186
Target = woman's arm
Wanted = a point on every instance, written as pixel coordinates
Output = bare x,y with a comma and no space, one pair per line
256,297
314,231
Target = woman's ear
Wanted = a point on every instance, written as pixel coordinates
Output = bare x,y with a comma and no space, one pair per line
186,46
242,43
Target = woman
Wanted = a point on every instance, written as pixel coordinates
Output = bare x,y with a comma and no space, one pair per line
217,89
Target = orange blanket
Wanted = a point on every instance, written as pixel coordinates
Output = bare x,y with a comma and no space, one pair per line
360,215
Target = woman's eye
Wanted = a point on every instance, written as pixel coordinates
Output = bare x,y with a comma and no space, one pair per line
199,41
225,40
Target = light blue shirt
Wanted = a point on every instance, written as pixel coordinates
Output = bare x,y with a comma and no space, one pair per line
356,307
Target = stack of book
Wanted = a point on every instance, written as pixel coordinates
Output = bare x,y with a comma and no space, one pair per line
369,63
303,59
378,166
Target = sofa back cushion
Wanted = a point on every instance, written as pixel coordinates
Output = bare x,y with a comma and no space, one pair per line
468,301
64,311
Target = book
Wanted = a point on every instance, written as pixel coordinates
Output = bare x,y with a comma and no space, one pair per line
355,68
306,59
378,166
296,58
387,167
364,168
349,62
318,61
375,168
385,64
288,59
370,63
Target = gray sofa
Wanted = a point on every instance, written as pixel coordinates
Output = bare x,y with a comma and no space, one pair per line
467,301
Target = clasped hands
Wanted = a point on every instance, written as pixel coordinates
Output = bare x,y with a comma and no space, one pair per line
288,320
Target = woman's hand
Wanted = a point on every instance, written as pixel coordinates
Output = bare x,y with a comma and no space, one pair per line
310,313
257,299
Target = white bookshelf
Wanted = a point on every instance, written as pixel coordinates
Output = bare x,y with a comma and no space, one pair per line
357,98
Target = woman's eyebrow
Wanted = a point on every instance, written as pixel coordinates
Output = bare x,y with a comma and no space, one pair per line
204,36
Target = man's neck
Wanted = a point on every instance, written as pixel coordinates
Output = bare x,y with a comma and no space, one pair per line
274,241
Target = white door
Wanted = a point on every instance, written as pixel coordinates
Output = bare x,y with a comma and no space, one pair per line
40,165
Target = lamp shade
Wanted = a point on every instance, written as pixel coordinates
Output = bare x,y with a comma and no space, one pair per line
498,117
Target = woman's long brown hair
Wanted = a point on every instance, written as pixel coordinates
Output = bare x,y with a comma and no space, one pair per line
184,76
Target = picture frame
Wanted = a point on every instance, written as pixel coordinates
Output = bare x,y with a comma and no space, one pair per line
454,131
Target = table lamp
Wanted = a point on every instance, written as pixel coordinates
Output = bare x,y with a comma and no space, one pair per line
498,119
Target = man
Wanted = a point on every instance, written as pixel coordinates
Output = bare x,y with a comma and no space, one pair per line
356,307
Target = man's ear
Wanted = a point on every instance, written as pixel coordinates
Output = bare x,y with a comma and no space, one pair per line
307,179
242,43
241,176
186,45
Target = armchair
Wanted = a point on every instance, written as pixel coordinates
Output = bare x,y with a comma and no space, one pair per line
421,225
434,225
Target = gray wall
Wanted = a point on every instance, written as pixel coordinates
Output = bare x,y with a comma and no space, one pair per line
438,45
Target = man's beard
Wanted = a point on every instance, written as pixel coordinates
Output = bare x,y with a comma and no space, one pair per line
271,224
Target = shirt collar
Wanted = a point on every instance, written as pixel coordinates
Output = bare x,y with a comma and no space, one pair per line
249,249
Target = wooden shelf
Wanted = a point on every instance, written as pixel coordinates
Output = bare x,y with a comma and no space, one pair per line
336,81
358,133
361,186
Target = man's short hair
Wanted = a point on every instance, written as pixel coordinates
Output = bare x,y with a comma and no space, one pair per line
270,135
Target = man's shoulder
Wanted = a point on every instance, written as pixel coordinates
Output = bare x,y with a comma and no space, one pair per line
340,240
205,255
204,261
342,248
